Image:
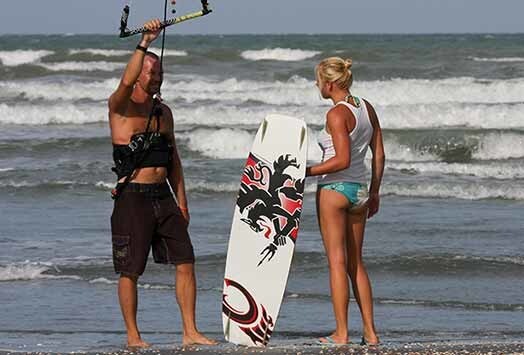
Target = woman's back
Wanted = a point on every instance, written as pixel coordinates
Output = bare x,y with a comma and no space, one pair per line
360,138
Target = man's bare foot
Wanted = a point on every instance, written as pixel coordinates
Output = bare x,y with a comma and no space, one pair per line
137,344
197,339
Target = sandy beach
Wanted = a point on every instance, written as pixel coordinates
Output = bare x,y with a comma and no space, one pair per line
492,348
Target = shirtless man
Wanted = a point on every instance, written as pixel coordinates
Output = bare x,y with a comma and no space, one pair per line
145,214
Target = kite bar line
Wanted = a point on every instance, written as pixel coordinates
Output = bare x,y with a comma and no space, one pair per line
125,32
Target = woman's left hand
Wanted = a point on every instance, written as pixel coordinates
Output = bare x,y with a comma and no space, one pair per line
373,204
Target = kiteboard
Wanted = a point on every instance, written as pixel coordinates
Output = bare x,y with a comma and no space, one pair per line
264,230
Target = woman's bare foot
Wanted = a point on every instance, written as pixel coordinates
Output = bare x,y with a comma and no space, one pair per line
370,341
334,339
137,344
197,339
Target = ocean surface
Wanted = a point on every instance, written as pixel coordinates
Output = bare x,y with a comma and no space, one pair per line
445,254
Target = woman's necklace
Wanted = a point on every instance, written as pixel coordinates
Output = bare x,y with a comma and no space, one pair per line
356,101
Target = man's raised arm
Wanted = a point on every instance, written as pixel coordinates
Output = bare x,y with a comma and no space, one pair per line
120,98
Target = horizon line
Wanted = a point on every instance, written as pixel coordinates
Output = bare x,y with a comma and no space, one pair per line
272,34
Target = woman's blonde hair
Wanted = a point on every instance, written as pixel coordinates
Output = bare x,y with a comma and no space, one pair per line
336,70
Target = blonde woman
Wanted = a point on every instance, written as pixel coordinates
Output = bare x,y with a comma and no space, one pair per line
344,201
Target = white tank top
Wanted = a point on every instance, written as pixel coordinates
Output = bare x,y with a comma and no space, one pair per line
360,138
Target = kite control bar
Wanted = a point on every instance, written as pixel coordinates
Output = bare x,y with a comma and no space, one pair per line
125,32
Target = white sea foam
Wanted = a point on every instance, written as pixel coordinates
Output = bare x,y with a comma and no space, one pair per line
14,272
299,91
146,286
229,143
465,191
279,54
105,185
2,170
19,57
460,189
396,151
498,59
103,280
493,171
101,52
398,104
51,114
221,143
29,271
517,260
123,52
392,117
500,146
36,90
83,66
451,115
32,184
169,52
458,90
469,191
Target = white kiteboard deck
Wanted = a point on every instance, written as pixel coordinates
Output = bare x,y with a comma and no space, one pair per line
264,230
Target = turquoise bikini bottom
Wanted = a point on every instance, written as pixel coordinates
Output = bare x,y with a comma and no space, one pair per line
356,193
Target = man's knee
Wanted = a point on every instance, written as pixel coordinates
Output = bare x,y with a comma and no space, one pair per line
186,269
129,277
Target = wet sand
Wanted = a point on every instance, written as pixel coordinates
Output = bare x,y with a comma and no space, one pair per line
491,348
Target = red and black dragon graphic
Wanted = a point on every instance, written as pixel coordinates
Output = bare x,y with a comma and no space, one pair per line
273,200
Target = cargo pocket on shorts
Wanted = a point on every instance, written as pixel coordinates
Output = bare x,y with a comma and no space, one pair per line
121,250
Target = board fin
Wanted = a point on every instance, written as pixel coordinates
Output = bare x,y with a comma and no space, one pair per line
264,129
302,137
228,326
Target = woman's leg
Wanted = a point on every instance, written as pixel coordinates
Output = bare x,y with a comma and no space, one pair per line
356,224
332,214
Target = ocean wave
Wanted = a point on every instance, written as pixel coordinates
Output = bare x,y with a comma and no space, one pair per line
228,143
498,59
511,307
96,270
459,190
59,90
101,52
397,151
454,188
452,115
279,54
467,191
222,143
61,113
83,66
454,101
500,146
124,52
29,271
39,184
145,286
506,171
169,52
19,57
499,116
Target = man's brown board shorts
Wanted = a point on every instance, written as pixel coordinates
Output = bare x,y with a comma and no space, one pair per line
146,216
